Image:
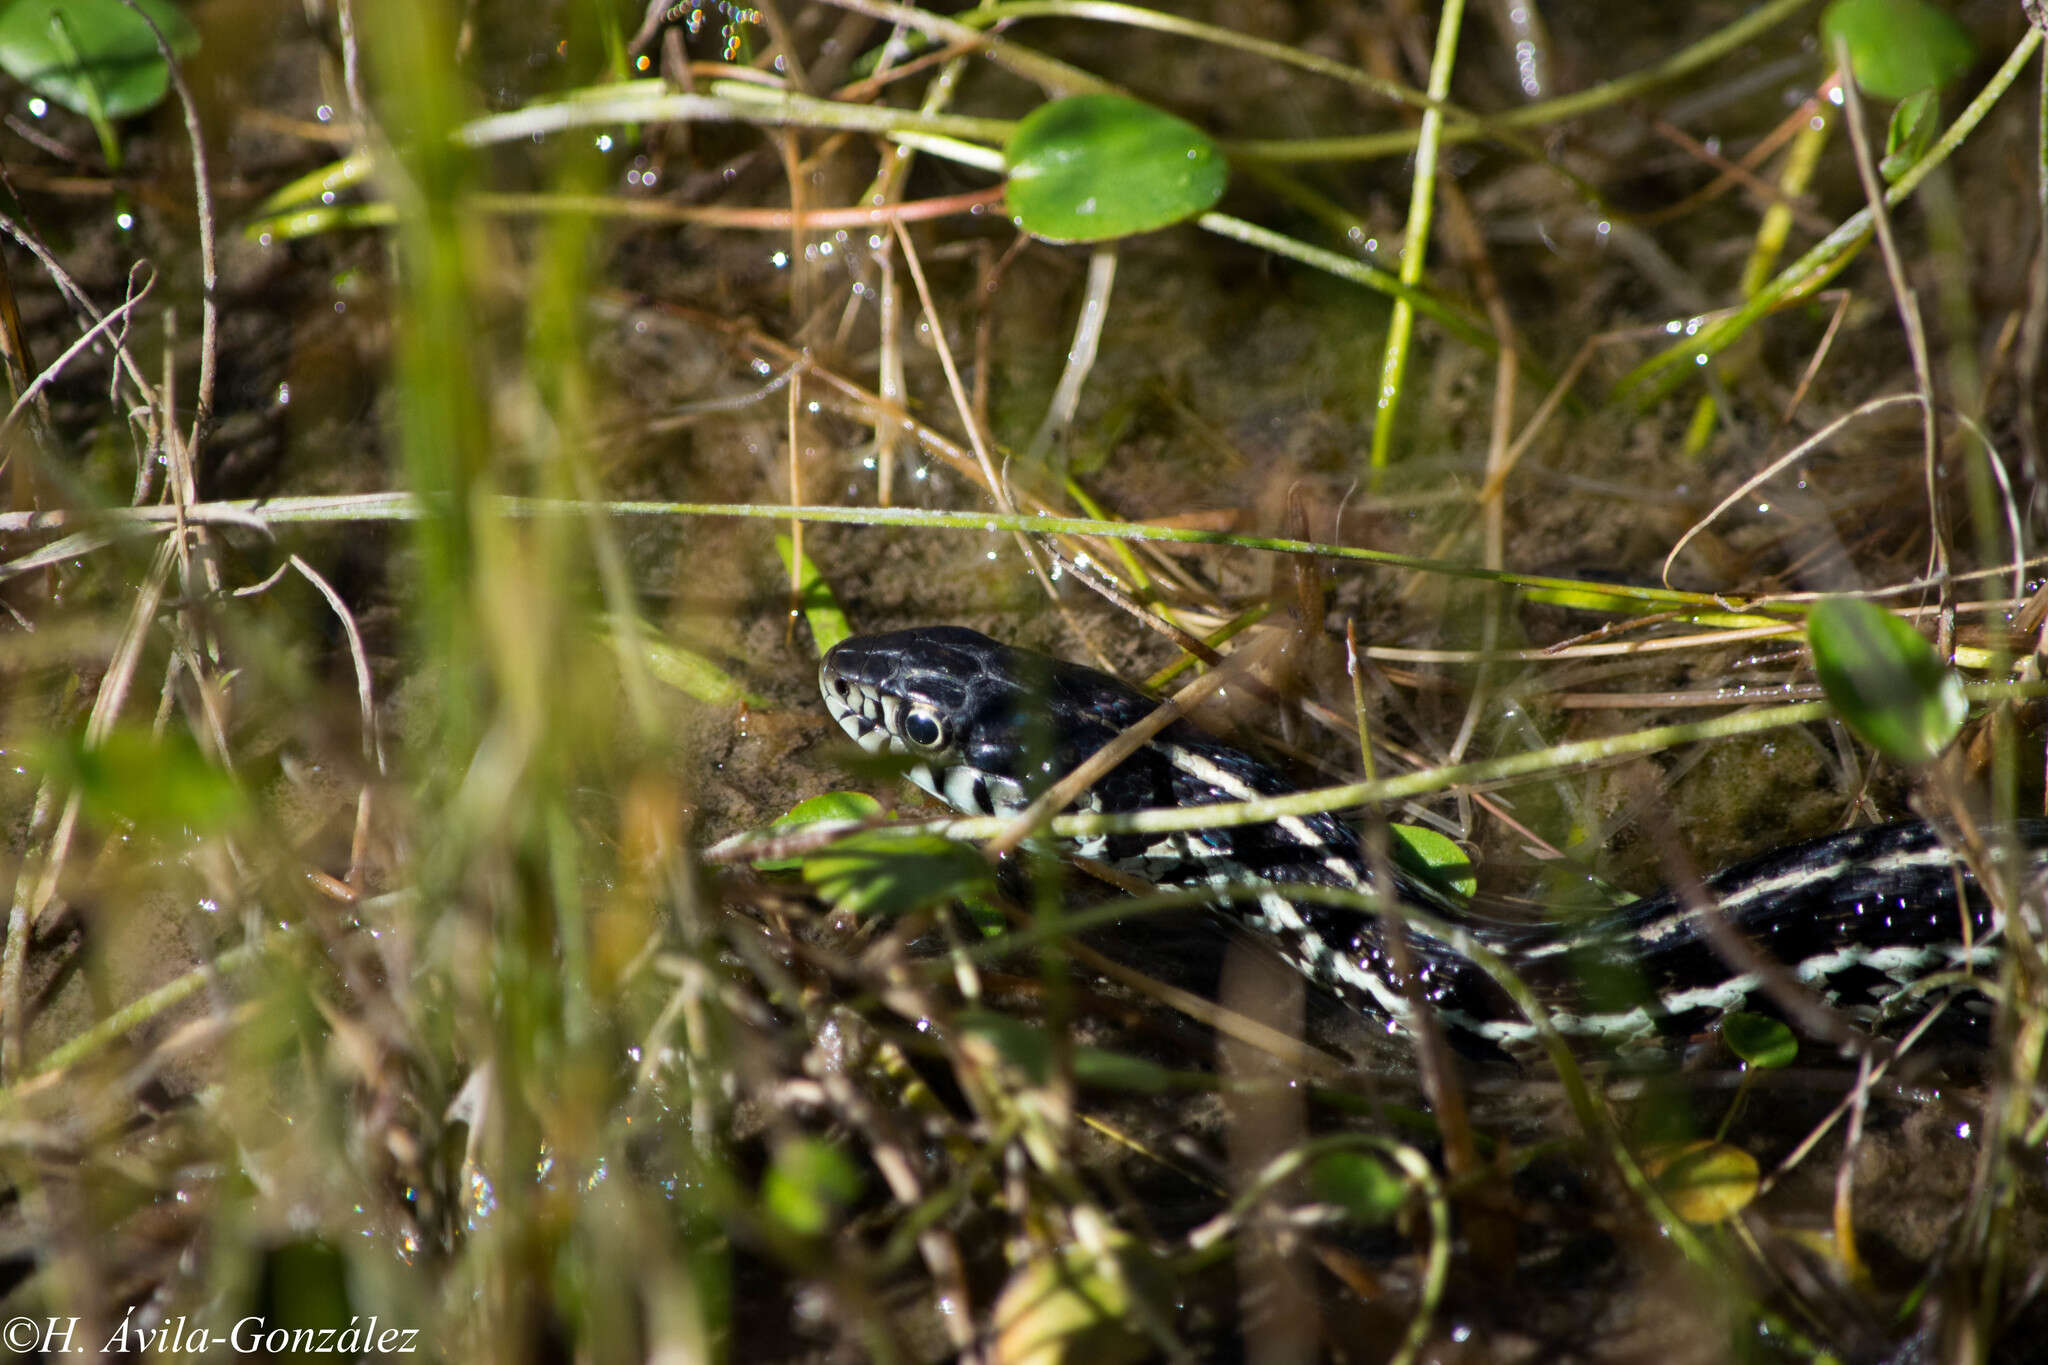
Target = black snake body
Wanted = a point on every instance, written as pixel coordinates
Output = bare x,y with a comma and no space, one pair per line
1853,917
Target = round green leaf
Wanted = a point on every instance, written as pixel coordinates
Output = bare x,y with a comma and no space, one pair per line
1703,1181
1884,680
1898,47
92,54
1761,1041
1093,167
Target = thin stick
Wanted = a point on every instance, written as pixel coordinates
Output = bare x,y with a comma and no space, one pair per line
997,489
1909,317
31,395
209,270
1790,458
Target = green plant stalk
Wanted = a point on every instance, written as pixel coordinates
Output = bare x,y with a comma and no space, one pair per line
1133,16
290,225
1656,377
729,102
1455,321
405,507
652,101
334,178
1415,248
140,1011
1428,781
1463,125
1541,114
1802,159
1055,76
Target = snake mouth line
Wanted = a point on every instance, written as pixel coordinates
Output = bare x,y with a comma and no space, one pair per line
860,711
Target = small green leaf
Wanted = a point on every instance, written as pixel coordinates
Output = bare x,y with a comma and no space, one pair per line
1910,134
1105,1069
1359,1184
1704,1181
1093,167
1897,47
1436,858
1884,680
815,810
878,873
1028,1049
1761,1041
162,784
829,806
814,597
808,1186
92,55
324,185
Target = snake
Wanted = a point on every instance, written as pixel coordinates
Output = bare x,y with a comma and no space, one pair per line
1853,918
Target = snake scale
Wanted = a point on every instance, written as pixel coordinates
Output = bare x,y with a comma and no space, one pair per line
1854,917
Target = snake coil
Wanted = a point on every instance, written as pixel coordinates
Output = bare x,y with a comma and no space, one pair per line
1853,917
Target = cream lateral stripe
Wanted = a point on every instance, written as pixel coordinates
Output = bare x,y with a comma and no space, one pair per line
1204,770
1890,864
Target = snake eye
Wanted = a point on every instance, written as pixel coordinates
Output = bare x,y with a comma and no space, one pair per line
924,729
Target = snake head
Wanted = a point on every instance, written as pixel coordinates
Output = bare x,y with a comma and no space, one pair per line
967,710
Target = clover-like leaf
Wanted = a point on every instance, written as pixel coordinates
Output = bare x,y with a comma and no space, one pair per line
1092,167
879,873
